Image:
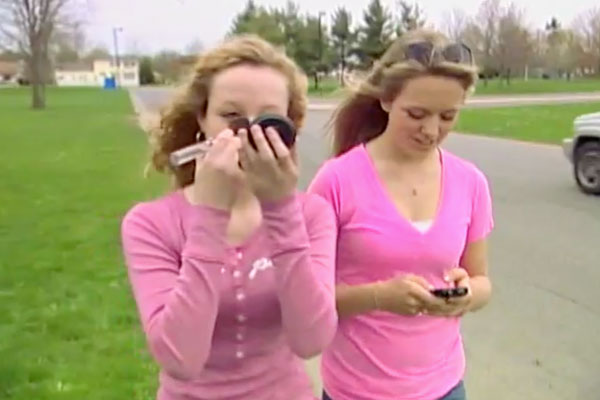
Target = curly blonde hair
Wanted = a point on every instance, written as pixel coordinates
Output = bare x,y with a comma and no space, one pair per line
178,123
360,118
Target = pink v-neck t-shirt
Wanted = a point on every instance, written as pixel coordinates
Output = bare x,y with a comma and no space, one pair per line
381,355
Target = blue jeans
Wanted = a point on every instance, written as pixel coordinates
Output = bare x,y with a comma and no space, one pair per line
458,393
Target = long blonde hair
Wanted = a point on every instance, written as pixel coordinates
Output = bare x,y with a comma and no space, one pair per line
178,124
360,118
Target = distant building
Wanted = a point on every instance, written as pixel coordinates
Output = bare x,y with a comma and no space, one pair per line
95,73
9,72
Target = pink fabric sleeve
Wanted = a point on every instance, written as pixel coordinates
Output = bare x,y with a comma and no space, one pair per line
303,238
177,305
482,220
326,185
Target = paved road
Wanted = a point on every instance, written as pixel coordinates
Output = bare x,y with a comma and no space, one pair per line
540,336
154,97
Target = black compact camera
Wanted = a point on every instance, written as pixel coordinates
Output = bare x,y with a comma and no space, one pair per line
283,125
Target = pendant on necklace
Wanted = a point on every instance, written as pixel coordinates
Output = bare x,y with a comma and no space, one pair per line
414,192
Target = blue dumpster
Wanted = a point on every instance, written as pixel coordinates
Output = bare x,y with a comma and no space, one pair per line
109,83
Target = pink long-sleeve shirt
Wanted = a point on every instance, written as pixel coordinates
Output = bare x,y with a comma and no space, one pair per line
381,355
232,322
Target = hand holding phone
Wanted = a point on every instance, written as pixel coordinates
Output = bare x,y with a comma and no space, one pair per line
447,293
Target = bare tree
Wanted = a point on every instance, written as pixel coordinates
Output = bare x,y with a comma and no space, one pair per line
538,49
514,45
97,52
410,17
588,26
194,47
455,25
486,21
29,25
575,55
68,43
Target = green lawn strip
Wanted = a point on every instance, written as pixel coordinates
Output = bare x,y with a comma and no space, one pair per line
539,123
69,326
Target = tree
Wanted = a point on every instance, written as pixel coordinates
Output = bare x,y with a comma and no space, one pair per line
167,65
313,53
10,55
260,21
343,39
410,18
291,25
555,40
241,21
146,71
564,50
514,46
455,23
30,24
588,27
375,34
575,55
68,42
96,53
195,47
482,35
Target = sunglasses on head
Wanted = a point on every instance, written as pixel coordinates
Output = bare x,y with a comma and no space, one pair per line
427,54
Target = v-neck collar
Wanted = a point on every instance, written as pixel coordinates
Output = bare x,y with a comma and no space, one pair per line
377,184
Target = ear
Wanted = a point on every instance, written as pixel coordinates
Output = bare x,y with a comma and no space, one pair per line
201,122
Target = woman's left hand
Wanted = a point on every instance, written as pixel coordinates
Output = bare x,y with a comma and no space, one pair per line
272,174
454,306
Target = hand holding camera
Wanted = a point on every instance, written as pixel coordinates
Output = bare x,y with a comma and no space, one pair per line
263,152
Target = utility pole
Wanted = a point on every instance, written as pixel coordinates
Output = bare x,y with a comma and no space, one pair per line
320,60
117,59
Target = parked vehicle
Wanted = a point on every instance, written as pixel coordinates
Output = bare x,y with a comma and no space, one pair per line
583,151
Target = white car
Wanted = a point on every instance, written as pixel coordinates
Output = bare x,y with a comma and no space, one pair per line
583,150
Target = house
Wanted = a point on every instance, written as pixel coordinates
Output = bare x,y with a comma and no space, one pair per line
95,73
9,71
76,74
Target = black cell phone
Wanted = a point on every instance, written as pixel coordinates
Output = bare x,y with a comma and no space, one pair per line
283,125
447,293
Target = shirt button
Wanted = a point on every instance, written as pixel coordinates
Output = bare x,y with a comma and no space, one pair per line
239,354
239,336
239,255
240,296
241,318
237,274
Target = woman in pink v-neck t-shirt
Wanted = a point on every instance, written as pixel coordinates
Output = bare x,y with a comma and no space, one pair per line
376,355
408,215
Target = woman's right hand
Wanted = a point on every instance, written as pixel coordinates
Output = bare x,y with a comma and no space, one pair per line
218,174
404,295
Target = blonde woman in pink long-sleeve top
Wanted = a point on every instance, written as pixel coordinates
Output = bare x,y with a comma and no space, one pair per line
233,272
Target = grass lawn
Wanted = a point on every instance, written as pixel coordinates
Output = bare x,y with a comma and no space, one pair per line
69,329
540,123
531,86
329,87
